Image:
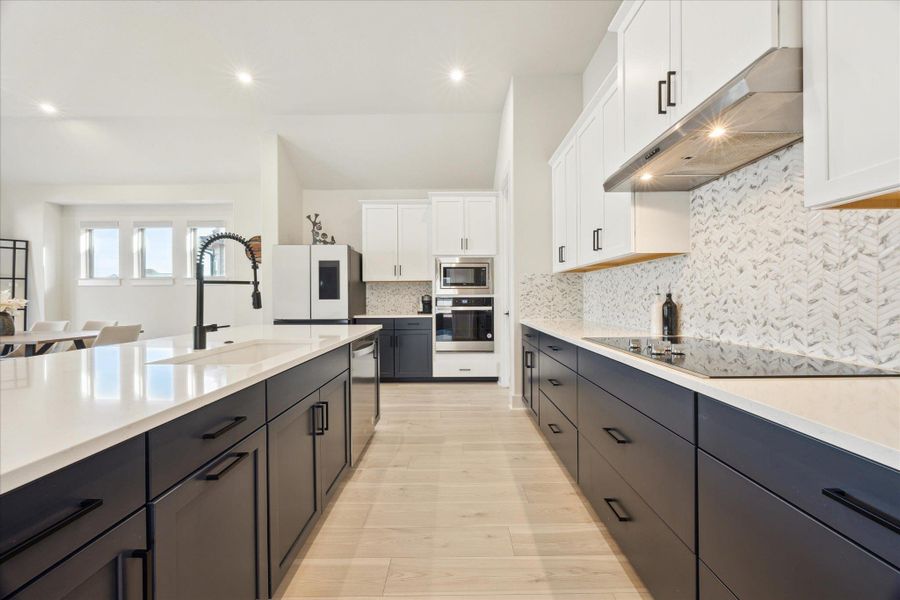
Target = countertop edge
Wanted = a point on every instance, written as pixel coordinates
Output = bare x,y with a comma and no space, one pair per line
870,450
26,473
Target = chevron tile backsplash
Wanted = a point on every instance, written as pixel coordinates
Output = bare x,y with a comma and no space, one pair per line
765,271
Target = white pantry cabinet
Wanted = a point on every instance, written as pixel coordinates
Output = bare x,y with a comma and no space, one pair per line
603,229
674,54
396,244
851,103
464,224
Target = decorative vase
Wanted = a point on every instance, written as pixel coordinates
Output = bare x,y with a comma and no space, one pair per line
7,324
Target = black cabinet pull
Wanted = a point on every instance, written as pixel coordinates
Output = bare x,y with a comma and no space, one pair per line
594,246
401,270
84,508
318,419
555,348
554,428
554,382
599,238
863,508
659,97
669,101
617,435
147,571
234,423
461,244
325,416
529,359
621,515
217,476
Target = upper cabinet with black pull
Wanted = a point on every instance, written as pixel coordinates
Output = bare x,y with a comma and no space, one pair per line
396,241
674,54
464,224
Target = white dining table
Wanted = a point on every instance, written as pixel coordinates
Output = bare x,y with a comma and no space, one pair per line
39,342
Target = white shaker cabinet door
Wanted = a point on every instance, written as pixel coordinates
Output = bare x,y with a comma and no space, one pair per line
589,141
617,236
449,225
414,243
380,242
851,100
570,246
558,207
644,61
481,226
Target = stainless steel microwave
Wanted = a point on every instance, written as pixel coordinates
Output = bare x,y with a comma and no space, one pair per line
464,276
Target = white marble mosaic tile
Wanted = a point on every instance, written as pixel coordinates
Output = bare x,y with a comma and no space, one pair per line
764,270
395,297
546,296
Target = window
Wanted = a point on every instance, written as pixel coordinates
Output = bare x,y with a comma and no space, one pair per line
100,251
214,261
153,250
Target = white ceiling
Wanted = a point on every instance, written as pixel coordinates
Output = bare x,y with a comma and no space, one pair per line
147,93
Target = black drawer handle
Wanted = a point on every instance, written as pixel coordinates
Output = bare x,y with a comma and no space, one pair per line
555,348
84,508
863,508
554,428
621,515
237,458
554,382
617,435
234,423
529,359
147,561
318,415
325,416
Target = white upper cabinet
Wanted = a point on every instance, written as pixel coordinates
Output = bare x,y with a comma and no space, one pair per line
589,144
674,54
617,236
558,205
851,103
396,244
464,224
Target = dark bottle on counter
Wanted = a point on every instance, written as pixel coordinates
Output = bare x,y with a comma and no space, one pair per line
669,316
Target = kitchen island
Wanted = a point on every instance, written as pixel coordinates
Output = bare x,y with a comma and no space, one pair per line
166,472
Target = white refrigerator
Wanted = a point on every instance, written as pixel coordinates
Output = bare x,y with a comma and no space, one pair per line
317,284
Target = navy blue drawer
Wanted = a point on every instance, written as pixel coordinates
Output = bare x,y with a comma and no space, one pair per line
421,324
561,385
181,446
664,402
666,566
290,387
48,519
385,323
658,464
798,468
562,435
562,351
531,336
762,547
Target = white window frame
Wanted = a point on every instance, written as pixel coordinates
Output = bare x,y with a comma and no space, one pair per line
140,276
87,253
192,243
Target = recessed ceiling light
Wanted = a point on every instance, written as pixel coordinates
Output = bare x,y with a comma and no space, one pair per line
244,77
646,177
457,75
717,132
48,108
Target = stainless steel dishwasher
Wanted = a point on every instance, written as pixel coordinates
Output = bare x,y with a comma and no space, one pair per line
364,389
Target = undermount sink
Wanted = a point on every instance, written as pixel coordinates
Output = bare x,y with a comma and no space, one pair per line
244,353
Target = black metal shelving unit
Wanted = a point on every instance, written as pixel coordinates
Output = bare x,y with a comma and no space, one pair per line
13,273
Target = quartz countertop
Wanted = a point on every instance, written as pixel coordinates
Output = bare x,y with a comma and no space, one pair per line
859,414
410,316
59,408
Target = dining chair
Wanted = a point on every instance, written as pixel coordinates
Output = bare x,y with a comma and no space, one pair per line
117,334
93,326
39,326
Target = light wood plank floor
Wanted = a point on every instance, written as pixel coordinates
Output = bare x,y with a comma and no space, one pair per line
458,496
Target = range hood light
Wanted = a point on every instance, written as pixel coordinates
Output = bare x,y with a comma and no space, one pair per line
646,177
717,132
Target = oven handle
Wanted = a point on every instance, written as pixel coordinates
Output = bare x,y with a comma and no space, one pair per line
444,311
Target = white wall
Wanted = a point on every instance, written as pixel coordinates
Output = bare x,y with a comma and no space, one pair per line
598,68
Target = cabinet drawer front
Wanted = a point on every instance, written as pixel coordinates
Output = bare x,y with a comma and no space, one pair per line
116,560
798,468
711,587
286,389
385,323
181,446
793,556
664,402
222,553
658,464
418,323
561,385
531,336
562,435
47,519
562,351
664,563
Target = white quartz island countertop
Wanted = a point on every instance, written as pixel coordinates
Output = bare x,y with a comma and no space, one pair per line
859,414
59,408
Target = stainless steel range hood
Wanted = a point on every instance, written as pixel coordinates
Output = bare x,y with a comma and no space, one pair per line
755,114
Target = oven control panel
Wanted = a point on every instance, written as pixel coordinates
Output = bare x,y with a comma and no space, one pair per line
454,301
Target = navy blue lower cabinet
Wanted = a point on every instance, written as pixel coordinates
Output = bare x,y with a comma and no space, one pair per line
386,354
530,379
412,354
209,531
334,398
711,587
760,546
115,566
665,565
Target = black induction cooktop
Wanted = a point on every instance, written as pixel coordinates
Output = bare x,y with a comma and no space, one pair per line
721,360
